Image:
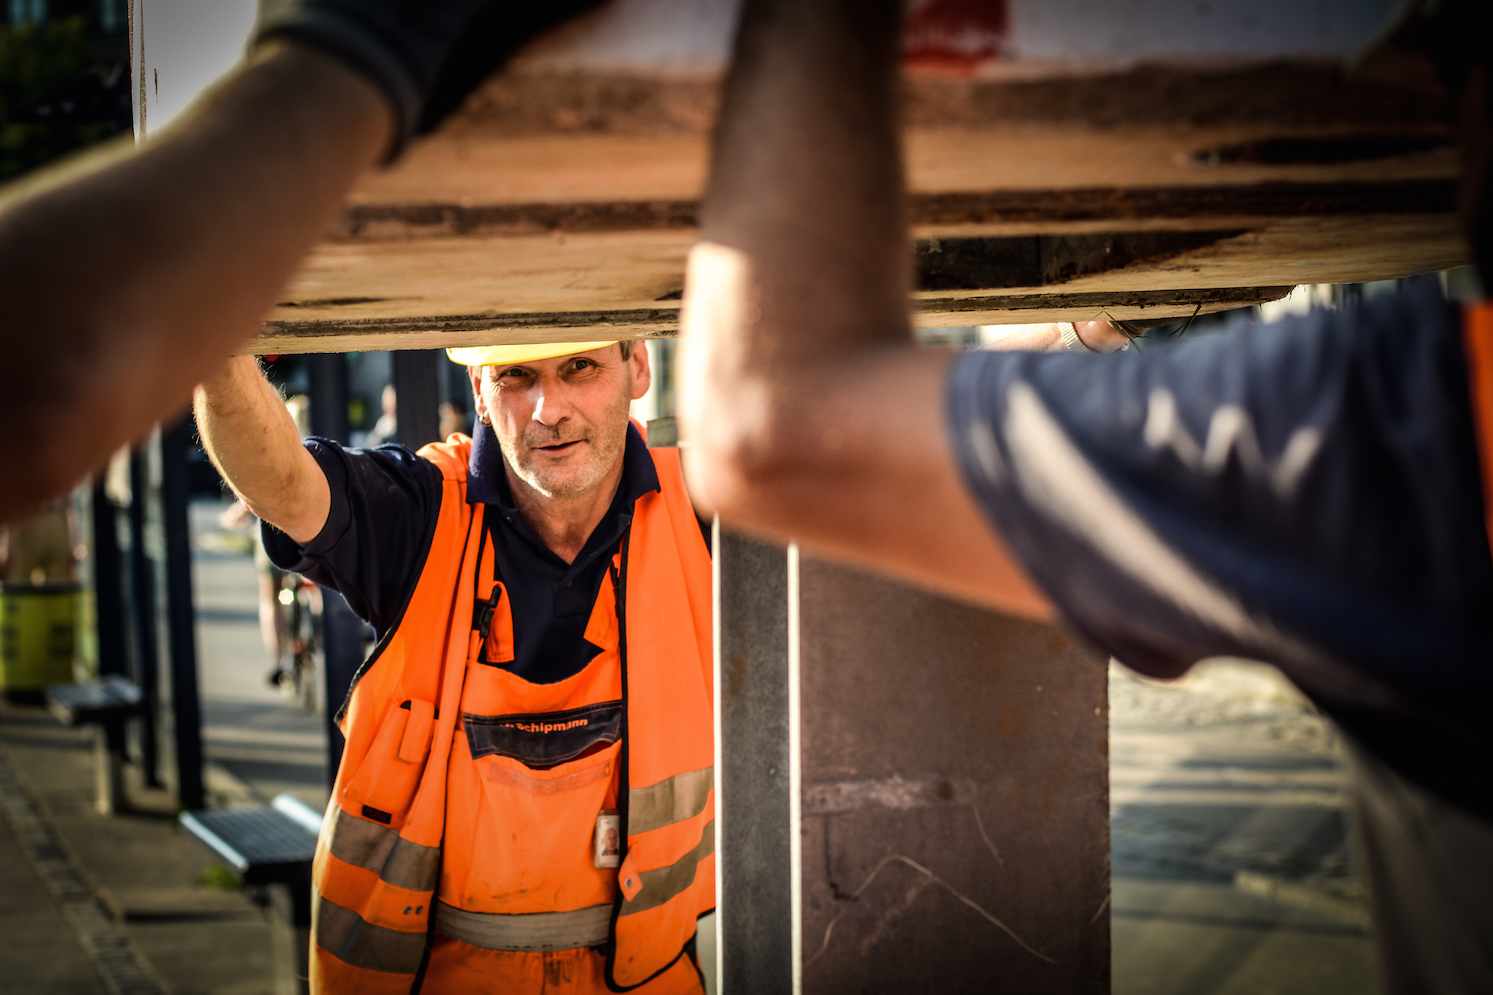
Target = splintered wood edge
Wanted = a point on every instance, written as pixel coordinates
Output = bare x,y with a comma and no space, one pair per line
445,332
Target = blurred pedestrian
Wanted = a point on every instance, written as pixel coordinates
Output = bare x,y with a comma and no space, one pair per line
386,429
40,549
453,420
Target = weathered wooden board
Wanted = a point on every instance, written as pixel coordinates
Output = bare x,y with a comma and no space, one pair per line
429,291
563,199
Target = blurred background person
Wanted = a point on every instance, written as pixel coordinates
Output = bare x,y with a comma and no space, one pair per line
386,429
39,549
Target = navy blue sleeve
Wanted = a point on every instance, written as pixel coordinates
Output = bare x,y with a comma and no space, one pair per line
1304,493
372,547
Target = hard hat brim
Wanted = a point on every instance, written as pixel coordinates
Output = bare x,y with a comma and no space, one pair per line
504,355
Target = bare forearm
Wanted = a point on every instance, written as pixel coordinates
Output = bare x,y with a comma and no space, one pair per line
803,249
807,176
129,275
811,413
1100,336
253,441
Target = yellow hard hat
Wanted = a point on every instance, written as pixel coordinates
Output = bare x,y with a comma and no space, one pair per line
503,355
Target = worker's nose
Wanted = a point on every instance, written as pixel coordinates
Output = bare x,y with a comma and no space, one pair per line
550,407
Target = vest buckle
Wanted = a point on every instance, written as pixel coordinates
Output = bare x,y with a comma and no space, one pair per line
483,611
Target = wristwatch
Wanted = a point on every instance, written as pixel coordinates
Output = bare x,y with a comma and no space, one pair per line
1071,341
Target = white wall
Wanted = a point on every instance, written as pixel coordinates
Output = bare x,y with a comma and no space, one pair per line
695,35
1136,30
180,46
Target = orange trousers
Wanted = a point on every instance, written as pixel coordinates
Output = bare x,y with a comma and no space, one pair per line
458,968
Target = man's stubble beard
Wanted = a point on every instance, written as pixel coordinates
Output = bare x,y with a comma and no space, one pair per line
607,441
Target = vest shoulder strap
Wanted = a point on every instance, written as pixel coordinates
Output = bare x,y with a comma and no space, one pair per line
450,457
1477,339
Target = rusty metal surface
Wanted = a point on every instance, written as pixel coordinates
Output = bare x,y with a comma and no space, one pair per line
955,796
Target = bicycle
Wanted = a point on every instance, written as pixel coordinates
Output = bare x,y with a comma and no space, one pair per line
296,676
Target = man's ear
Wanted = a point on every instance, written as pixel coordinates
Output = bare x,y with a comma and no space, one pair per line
642,373
479,406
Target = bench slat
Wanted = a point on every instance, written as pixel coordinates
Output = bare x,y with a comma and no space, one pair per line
262,844
109,698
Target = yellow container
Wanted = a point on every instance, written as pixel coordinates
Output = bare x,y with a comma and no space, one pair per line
37,629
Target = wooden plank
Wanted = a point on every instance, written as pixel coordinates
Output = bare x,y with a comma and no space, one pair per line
448,291
560,203
492,168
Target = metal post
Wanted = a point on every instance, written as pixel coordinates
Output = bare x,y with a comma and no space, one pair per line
418,396
186,706
329,394
108,584
143,621
756,911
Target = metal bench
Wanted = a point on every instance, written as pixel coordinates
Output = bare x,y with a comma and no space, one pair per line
270,848
105,704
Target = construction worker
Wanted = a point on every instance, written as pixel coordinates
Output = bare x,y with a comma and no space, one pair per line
129,273
1310,493
525,802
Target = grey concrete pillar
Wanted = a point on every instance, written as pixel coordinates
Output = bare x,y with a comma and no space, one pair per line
950,824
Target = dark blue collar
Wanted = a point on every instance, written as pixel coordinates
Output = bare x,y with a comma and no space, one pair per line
487,479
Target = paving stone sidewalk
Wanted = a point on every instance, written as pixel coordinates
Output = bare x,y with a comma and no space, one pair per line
128,903
1231,858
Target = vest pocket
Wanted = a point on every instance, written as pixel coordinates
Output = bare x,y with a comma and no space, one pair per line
385,782
529,846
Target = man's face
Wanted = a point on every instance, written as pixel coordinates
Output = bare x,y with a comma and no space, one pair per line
562,422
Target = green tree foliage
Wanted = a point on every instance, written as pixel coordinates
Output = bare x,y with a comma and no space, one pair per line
55,94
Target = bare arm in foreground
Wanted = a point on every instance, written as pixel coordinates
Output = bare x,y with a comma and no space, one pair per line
127,276
812,415
1093,336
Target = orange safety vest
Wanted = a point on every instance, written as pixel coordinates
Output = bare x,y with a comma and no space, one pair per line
440,856
1477,344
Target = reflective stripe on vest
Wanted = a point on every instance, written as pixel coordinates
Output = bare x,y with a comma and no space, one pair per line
384,852
531,932
681,797
661,884
347,936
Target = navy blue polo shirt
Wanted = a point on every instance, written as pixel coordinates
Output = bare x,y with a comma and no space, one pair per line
385,500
